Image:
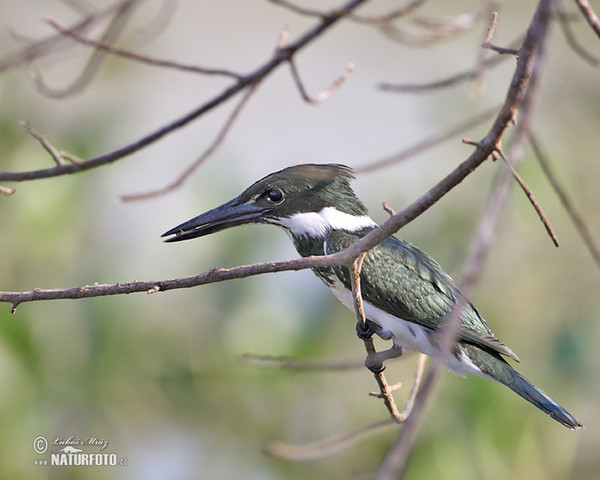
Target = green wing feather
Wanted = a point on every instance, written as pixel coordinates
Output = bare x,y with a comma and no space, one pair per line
403,281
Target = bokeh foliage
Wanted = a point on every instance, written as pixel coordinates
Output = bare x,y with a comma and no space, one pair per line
160,376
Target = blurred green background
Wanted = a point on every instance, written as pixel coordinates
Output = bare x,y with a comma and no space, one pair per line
160,377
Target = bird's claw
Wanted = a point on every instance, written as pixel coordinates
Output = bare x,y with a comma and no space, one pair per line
365,330
374,361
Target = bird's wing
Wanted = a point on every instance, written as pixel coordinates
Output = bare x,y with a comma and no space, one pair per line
403,281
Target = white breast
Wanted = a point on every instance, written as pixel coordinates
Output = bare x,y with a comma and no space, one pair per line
407,335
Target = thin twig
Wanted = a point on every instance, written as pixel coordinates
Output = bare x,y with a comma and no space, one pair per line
410,402
388,209
429,142
112,32
356,289
433,30
409,8
374,360
532,200
214,146
282,38
578,48
580,224
47,46
452,80
487,42
51,149
396,459
287,363
6,190
261,72
298,9
138,57
589,15
373,19
323,448
159,23
485,147
324,95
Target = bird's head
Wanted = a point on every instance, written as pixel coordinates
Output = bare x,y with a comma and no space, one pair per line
306,200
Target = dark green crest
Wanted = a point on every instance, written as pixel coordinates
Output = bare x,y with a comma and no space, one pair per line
305,188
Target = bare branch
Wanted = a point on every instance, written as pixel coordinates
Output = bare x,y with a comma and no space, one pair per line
374,359
580,224
356,290
321,449
51,149
433,30
283,56
6,190
159,23
324,95
487,42
445,82
315,450
534,202
108,48
207,154
410,402
216,142
484,149
429,142
113,31
300,10
396,459
375,19
589,15
565,24
302,363
48,46
409,8
388,209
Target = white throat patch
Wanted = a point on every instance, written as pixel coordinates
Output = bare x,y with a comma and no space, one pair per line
318,224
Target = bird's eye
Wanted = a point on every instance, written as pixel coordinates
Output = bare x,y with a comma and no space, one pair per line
275,195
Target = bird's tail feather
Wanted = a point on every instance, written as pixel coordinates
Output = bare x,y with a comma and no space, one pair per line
521,386
496,367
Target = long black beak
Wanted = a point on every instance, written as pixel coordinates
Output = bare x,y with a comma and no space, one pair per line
227,215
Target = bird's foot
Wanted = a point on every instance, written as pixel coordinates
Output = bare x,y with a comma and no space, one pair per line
366,330
374,361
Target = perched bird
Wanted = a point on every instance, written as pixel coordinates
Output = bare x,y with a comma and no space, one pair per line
407,296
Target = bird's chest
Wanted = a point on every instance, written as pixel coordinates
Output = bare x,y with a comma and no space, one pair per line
408,335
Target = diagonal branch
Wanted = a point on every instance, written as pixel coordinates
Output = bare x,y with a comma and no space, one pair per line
113,31
396,459
537,207
47,46
217,142
580,224
429,142
484,149
324,95
589,14
261,72
452,80
109,48
320,449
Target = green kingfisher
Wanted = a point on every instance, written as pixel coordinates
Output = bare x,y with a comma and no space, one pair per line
407,296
